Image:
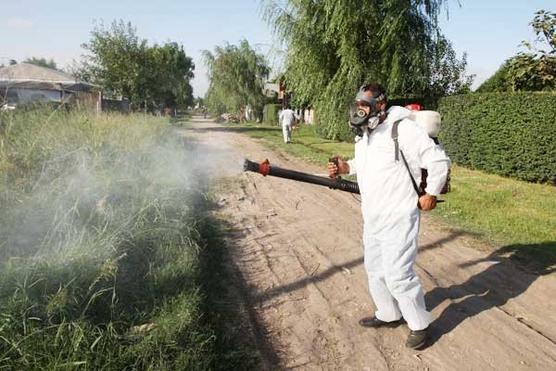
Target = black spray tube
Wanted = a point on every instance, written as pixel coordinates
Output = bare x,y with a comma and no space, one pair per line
264,168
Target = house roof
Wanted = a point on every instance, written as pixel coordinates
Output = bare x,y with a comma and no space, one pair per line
26,75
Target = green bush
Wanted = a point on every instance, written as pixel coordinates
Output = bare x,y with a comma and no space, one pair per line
270,114
510,134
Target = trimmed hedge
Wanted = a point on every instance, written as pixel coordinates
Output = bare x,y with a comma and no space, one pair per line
270,114
510,134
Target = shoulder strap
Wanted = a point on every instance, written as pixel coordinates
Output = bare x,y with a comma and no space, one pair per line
415,187
398,151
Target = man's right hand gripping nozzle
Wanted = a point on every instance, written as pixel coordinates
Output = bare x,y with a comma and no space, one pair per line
336,166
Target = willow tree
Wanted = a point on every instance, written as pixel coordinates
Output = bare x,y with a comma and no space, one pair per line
335,45
237,74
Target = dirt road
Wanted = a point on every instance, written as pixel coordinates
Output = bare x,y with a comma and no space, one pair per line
298,249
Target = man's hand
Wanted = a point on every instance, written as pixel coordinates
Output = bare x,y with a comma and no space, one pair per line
335,170
427,202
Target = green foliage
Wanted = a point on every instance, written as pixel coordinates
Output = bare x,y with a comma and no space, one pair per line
544,26
336,45
447,71
41,62
101,222
151,77
497,82
237,74
534,70
509,134
270,114
528,72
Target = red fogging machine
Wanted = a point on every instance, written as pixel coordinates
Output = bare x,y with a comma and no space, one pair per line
265,169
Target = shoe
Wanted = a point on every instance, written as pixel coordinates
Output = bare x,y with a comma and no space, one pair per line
376,323
417,339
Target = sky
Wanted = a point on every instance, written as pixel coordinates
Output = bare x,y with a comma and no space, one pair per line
489,31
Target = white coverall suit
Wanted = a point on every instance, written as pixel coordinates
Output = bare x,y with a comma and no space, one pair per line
391,215
287,119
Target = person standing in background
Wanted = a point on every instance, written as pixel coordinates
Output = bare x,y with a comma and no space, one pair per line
287,120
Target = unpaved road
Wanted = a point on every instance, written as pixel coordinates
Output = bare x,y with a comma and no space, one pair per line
298,250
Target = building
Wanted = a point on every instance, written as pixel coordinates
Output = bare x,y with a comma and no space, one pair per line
25,83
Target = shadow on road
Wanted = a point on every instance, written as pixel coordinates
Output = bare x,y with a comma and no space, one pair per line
493,287
228,301
290,287
277,291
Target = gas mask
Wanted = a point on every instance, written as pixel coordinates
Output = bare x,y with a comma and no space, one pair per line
361,119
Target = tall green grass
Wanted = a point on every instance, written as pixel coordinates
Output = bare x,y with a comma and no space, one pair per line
99,255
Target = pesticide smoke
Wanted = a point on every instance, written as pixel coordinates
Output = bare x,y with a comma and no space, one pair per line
100,230
86,195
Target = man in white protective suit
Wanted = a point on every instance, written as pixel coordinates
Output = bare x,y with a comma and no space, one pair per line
287,120
390,206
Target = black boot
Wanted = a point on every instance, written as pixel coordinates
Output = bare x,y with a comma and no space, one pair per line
417,339
376,323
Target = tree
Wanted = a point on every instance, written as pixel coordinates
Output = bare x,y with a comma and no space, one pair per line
498,82
535,69
114,60
335,45
448,75
124,65
41,62
531,70
237,74
168,72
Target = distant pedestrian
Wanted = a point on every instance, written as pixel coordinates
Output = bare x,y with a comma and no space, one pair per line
287,120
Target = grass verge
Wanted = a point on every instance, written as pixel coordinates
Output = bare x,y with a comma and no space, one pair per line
515,214
102,258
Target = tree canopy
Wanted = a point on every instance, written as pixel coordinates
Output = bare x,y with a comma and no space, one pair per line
533,69
333,46
124,65
237,74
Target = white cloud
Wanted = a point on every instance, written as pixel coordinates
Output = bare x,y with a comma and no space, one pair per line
19,23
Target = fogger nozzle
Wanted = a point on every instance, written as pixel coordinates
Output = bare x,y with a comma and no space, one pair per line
265,169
